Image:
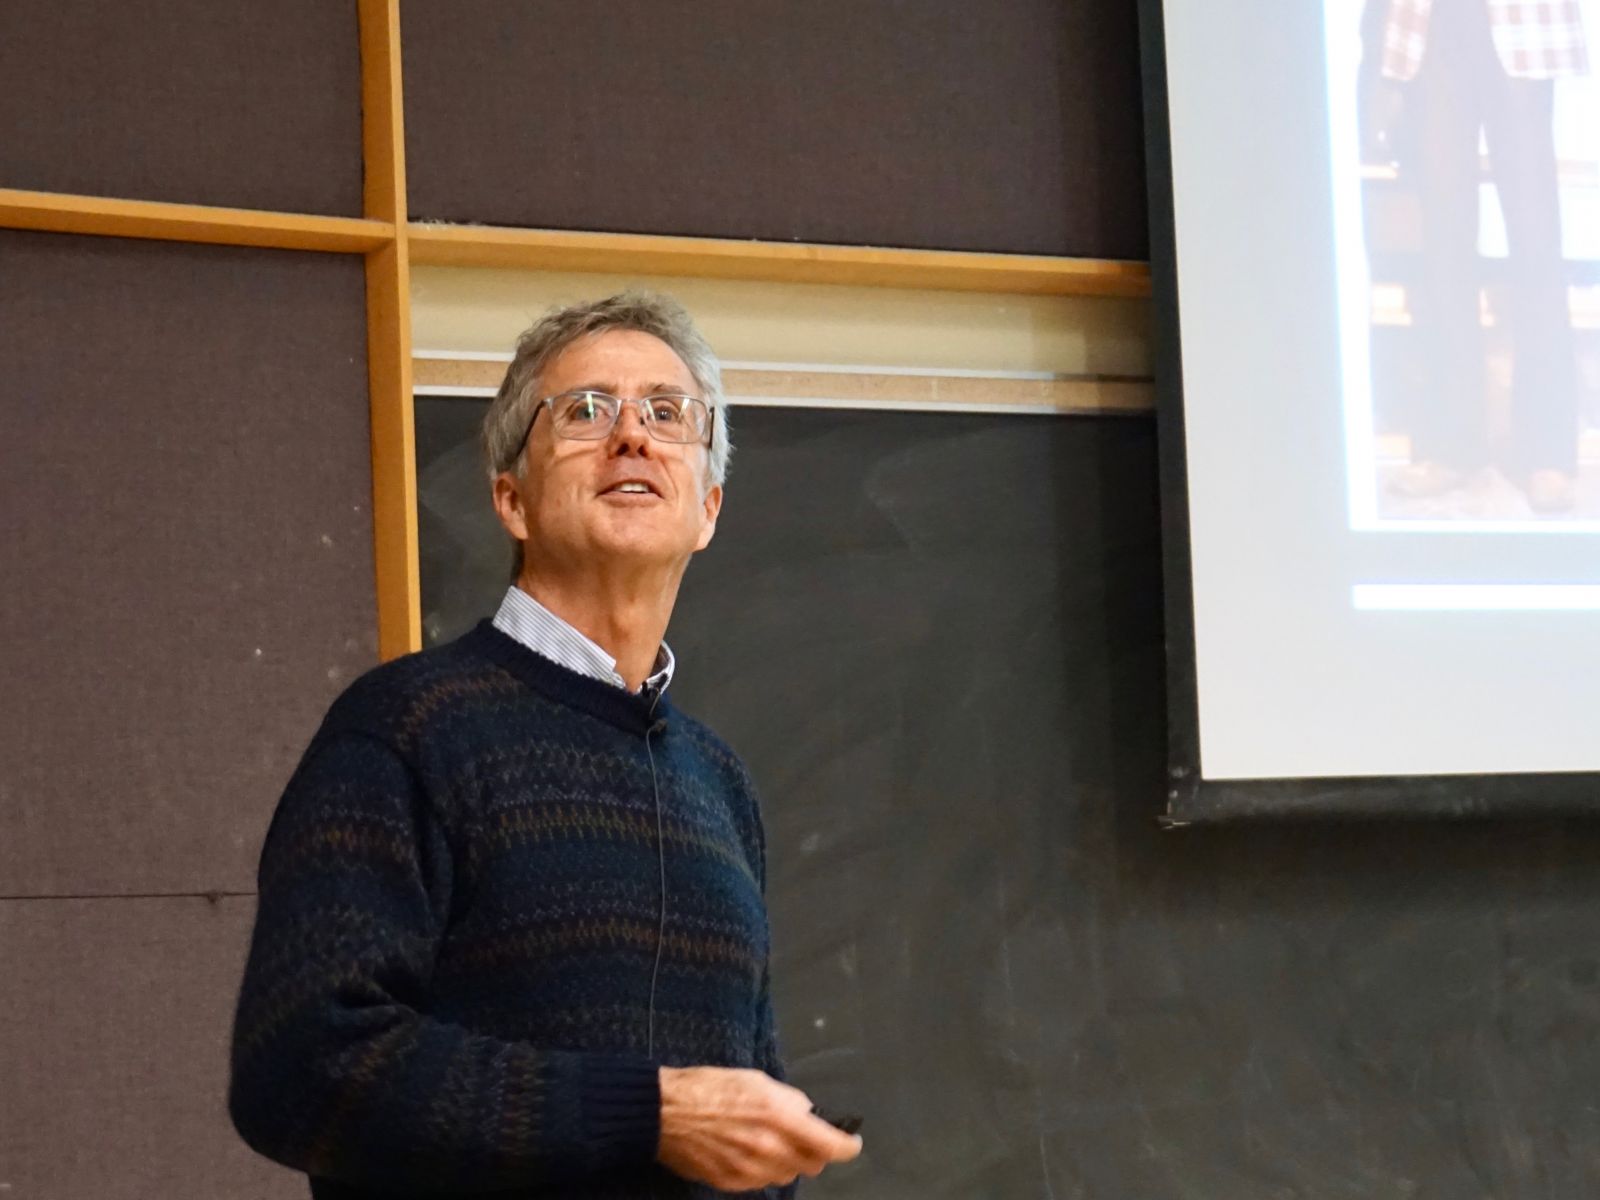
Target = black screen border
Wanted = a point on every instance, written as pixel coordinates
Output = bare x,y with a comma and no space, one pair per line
1192,799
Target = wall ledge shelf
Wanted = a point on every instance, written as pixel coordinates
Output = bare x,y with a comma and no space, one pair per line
437,244
54,212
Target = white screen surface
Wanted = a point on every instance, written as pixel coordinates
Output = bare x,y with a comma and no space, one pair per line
1344,627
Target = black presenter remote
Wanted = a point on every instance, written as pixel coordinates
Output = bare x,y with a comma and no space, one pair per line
844,1122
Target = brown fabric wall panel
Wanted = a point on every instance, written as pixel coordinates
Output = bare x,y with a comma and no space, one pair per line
185,522
1011,126
114,1029
228,102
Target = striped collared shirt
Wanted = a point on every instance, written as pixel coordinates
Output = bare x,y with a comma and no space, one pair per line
523,618
1534,39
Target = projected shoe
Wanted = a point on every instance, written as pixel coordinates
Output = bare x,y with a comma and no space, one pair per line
1427,478
1551,491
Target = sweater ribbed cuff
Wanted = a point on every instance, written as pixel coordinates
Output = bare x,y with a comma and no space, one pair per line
620,1099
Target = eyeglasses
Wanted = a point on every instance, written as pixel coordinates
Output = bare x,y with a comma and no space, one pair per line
588,416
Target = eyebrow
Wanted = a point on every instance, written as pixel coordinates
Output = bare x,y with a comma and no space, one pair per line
653,389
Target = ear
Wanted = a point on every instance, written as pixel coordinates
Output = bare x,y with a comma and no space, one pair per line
712,506
508,505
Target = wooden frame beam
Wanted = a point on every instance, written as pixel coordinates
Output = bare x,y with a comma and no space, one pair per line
860,388
394,447
53,212
780,262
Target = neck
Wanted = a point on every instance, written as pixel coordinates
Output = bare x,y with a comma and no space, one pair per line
625,617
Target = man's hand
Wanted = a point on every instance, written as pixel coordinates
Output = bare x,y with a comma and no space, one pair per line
740,1130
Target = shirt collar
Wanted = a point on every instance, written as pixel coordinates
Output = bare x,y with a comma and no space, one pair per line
526,620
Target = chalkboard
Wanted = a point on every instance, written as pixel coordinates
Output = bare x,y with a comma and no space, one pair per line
937,640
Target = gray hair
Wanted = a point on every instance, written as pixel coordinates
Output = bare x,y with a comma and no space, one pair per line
506,423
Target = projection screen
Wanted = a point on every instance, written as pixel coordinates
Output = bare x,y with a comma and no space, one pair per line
1376,249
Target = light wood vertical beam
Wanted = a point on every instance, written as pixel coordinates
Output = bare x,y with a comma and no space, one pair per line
394,450
382,115
394,453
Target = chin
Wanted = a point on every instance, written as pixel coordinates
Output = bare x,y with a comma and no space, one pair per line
646,535
640,544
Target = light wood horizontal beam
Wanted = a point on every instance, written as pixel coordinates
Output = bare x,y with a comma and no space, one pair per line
952,393
866,388
57,213
781,262
564,250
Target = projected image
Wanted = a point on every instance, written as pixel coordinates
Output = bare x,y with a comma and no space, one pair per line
1466,145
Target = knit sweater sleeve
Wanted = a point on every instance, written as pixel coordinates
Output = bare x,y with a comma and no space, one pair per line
339,1070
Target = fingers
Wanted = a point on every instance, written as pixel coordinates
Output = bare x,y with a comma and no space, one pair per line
817,1141
739,1130
803,1143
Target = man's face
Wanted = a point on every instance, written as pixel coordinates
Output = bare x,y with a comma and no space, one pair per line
568,507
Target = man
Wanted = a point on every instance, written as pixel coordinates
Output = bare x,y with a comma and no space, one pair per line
1471,67
511,934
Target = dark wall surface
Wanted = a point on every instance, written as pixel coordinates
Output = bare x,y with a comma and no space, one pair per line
186,528
921,123
937,641
114,1019
185,485
226,102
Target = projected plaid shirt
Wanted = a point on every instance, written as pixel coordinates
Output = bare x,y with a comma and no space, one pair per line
1535,39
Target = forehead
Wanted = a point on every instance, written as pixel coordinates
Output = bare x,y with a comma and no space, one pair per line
616,359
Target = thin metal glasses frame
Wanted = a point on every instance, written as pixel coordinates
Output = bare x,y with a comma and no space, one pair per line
641,403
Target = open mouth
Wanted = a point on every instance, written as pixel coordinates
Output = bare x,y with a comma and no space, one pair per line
631,487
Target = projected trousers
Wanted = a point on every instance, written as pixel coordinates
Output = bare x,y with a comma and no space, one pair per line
1460,91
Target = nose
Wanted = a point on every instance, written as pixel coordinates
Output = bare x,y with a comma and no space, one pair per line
629,433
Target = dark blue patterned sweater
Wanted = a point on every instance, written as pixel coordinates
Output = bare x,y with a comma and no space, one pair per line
449,986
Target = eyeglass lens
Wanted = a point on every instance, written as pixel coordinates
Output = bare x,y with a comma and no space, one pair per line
668,417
